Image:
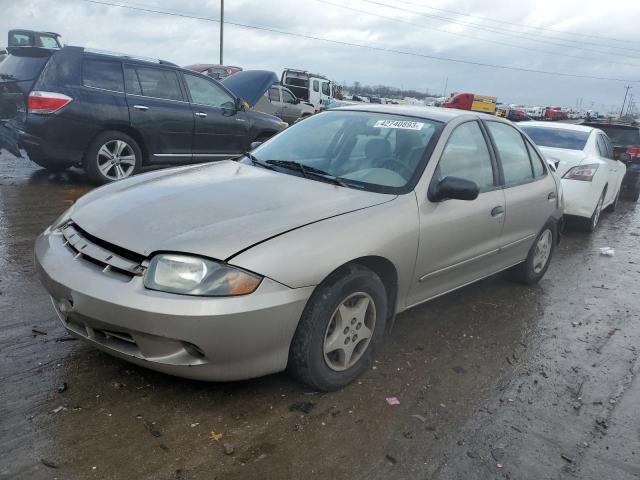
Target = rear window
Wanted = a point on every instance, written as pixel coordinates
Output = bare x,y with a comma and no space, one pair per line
18,67
623,137
557,138
102,74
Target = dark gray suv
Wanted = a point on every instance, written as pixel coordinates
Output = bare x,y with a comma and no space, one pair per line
112,114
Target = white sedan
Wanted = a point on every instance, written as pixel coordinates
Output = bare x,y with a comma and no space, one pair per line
583,157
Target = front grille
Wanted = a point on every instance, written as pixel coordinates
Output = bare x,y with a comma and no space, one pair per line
111,259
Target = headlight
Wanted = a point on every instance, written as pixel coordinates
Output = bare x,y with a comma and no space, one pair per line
582,172
62,219
187,275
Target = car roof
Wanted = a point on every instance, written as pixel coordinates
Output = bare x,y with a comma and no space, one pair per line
559,126
439,114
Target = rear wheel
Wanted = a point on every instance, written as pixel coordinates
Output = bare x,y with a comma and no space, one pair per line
590,224
614,205
112,156
340,328
539,257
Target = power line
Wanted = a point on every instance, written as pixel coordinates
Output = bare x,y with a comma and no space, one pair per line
350,44
497,42
577,34
503,32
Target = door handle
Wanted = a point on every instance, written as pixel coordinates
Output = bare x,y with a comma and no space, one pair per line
141,107
200,114
497,211
551,196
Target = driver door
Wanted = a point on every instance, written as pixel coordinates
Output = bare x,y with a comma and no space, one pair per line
290,107
459,239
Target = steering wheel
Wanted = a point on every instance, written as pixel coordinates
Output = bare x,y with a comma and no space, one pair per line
397,166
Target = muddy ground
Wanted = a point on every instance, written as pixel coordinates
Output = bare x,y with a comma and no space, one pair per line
496,380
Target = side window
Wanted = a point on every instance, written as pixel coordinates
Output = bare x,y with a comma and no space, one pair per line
274,95
159,83
512,152
602,149
102,74
325,88
316,86
204,92
467,156
537,162
287,97
607,141
131,82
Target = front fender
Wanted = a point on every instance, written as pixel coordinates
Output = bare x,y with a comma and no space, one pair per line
306,256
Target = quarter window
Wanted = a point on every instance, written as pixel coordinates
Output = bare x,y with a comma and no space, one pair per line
159,83
101,74
512,152
467,156
204,92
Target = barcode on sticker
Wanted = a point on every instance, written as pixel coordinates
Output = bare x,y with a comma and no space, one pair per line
399,124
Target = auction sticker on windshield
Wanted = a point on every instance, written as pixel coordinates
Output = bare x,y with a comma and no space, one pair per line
399,124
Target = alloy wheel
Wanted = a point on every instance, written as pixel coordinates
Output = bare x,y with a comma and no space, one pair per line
116,159
349,331
542,251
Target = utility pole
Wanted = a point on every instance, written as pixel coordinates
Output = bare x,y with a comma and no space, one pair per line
221,30
626,92
446,82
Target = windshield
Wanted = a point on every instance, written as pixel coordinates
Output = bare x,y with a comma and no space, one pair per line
557,138
374,151
623,137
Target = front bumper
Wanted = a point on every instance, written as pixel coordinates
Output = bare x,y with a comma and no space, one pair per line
202,338
580,198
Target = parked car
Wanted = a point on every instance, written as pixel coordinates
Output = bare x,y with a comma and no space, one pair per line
310,87
218,72
276,100
111,114
473,102
591,176
625,139
299,255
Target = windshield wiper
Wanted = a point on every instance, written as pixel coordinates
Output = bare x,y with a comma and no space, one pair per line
255,161
305,170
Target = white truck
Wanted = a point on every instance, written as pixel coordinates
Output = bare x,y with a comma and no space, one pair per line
310,87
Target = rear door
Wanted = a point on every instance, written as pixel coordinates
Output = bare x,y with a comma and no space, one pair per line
459,240
220,131
530,192
159,110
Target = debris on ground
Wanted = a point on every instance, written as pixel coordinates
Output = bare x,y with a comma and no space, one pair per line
419,417
49,463
67,338
391,458
151,426
566,458
498,454
62,387
228,449
304,407
215,436
459,369
117,385
58,409
393,401
607,251
37,331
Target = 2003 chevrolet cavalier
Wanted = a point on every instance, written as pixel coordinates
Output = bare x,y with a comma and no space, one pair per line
297,255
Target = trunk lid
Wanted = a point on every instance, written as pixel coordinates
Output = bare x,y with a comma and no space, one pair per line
564,159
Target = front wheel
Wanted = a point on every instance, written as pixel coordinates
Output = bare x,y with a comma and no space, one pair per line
112,156
539,257
340,328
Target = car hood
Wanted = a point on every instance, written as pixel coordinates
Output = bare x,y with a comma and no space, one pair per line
214,210
250,85
563,158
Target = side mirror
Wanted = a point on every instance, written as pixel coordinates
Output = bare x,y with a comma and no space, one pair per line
254,145
455,188
239,104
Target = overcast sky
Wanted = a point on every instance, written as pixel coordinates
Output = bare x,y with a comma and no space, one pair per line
409,26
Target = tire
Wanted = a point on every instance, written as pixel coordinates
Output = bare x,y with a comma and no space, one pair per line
313,359
633,194
614,205
50,166
590,224
532,270
105,162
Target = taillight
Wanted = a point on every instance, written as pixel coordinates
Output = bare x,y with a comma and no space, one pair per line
582,172
46,102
